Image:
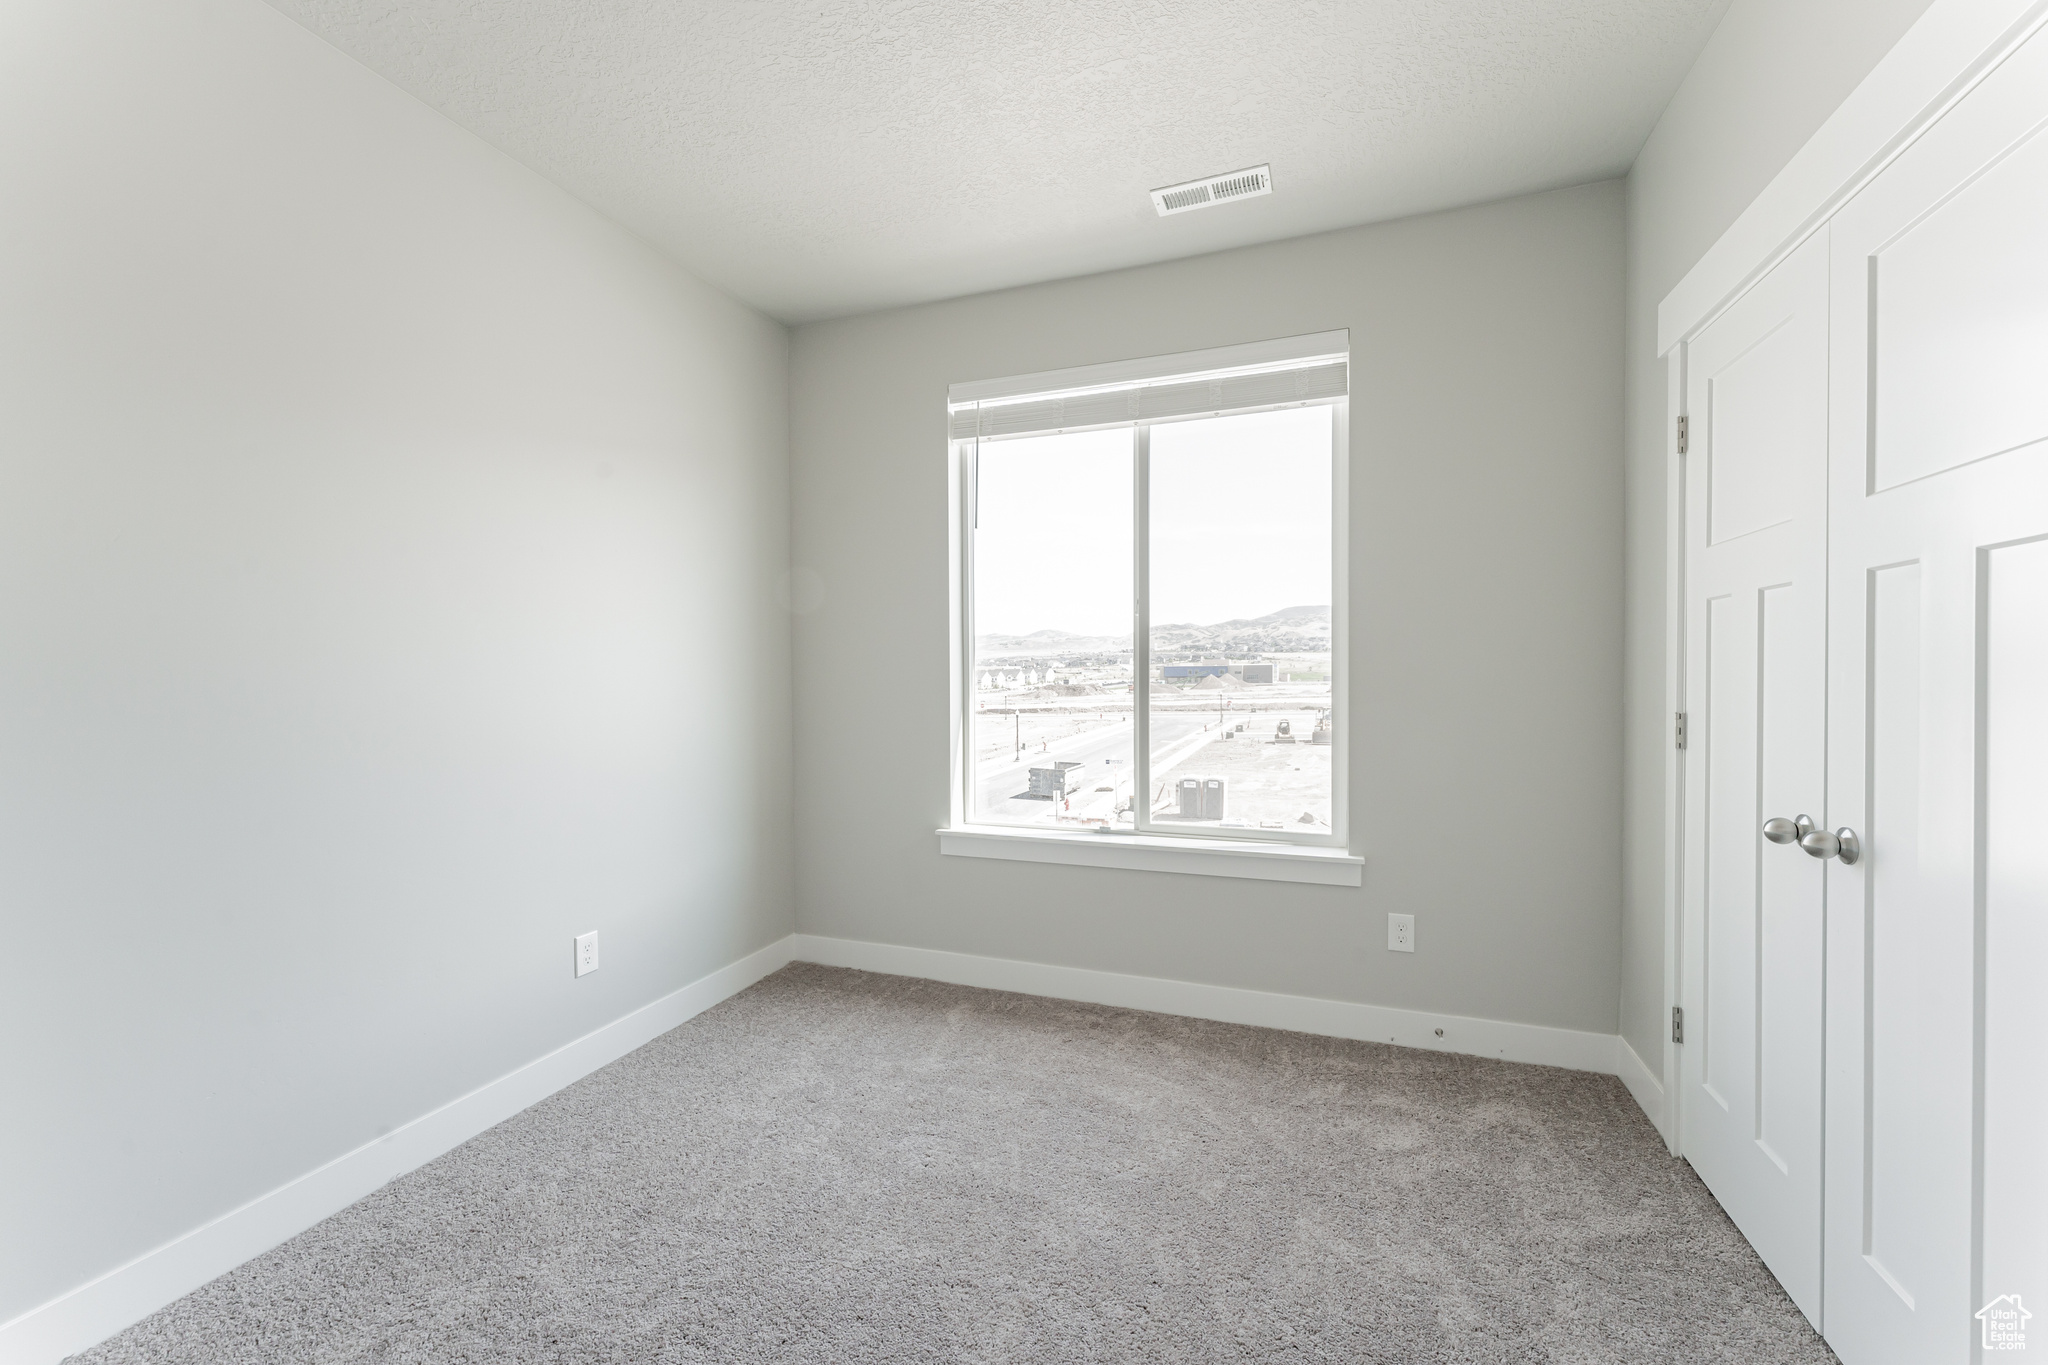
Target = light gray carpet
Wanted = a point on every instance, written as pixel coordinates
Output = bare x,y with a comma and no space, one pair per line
836,1166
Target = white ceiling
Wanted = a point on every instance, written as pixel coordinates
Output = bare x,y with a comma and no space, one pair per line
825,157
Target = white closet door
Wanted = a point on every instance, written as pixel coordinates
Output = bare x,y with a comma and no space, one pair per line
1937,1128
1756,688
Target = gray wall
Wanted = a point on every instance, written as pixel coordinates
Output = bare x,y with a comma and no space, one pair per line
388,565
1770,76
1486,628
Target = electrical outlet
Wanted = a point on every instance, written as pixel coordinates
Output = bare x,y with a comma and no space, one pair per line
586,953
1400,933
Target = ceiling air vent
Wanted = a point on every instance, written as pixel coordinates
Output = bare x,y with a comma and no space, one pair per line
1212,190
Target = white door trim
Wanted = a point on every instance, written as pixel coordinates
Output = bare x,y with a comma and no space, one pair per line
1674,757
1955,45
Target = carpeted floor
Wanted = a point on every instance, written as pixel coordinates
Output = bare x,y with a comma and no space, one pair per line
838,1167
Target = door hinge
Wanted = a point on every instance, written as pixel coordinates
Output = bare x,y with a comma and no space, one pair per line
1684,434
1677,1024
1678,729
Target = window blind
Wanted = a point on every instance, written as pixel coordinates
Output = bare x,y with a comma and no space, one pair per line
1320,379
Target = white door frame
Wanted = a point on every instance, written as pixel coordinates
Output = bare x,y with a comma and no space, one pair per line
1674,757
1945,55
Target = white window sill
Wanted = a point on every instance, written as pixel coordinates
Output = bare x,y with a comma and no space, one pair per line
1150,853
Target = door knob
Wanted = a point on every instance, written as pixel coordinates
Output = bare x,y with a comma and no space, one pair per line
1841,844
1779,830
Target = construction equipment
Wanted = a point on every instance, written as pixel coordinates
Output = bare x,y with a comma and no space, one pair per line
1050,784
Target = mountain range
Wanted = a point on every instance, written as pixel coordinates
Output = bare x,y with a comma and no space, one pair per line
1291,630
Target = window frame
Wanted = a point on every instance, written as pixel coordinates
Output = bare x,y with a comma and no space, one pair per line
1304,856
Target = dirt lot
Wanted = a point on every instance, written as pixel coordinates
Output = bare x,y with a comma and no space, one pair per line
1267,783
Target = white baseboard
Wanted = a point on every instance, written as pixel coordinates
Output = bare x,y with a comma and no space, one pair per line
1228,1004
96,1310
1648,1091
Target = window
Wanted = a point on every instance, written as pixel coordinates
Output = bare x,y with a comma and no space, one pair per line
1150,588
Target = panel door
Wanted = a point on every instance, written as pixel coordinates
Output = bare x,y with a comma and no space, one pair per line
1756,689
1937,1128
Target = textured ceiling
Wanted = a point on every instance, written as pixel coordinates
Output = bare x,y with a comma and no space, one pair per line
834,156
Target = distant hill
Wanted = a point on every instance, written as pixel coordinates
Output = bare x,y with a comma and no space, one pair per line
1040,643
1291,630
1283,616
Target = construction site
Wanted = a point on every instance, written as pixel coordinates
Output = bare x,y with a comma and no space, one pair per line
1226,753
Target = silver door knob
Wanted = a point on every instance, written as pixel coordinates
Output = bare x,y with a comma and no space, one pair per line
1779,830
1841,844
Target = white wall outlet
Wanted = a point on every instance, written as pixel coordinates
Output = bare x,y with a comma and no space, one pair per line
1400,933
586,953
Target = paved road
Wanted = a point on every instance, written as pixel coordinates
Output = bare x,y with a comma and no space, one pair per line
997,784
